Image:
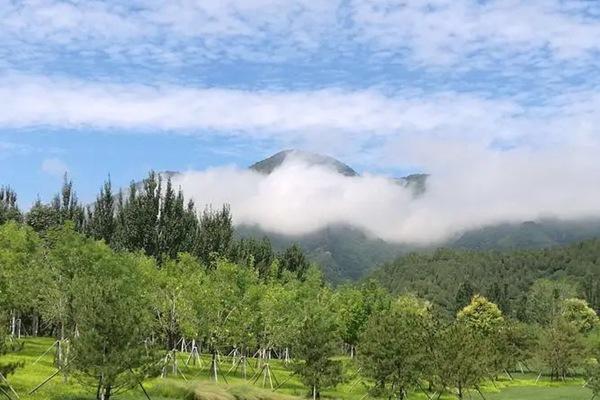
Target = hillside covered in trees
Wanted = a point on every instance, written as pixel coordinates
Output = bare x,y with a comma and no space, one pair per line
449,277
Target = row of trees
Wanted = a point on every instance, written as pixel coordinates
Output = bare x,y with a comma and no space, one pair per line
152,216
118,316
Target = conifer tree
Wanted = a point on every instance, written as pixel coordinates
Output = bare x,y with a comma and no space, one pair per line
215,235
9,210
294,260
101,222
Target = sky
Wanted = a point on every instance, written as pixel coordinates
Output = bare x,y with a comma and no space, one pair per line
474,92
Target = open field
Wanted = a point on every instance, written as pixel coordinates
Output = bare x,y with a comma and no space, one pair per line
235,387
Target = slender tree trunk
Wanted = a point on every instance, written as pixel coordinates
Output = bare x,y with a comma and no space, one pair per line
13,323
35,324
214,365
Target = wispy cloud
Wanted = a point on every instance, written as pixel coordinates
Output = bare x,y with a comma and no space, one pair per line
54,166
463,33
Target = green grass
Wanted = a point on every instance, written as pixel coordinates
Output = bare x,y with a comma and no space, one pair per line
199,387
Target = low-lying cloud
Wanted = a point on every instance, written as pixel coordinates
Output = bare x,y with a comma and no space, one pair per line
483,187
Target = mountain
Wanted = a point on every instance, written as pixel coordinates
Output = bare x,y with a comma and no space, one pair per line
343,252
346,252
528,235
268,165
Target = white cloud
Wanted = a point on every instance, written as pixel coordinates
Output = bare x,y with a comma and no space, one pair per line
478,189
433,32
451,31
73,103
54,167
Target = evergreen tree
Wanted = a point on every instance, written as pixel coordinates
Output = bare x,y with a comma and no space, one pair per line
315,348
9,210
561,348
460,360
42,217
215,235
113,318
293,260
464,294
67,205
101,222
393,349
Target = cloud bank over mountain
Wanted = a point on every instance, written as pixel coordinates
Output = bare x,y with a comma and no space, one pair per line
511,186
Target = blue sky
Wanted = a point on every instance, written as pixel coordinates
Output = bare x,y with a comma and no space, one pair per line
388,86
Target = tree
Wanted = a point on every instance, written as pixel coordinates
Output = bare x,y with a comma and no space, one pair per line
224,293
177,286
579,313
463,295
101,223
257,254
20,257
293,260
64,207
42,217
513,344
315,348
393,347
9,210
67,206
459,361
561,348
482,315
177,225
545,298
113,318
215,235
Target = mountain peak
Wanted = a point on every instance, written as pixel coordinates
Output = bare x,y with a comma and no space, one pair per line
270,164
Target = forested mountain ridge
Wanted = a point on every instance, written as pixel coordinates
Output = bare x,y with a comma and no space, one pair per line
449,277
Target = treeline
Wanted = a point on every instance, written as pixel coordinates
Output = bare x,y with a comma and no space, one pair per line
153,216
513,280
120,317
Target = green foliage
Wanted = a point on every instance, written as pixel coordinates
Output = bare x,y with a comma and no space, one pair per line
579,313
315,348
462,358
572,271
9,210
112,315
394,347
101,223
294,261
63,207
481,315
215,236
545,300
562,348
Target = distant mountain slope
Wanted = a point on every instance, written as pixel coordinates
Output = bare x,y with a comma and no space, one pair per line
343,252
268,165
528,235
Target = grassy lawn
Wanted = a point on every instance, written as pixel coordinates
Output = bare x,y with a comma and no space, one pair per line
198,385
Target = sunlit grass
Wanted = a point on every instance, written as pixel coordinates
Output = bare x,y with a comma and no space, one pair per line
197,384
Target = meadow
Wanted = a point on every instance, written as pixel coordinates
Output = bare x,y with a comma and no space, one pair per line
193,382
